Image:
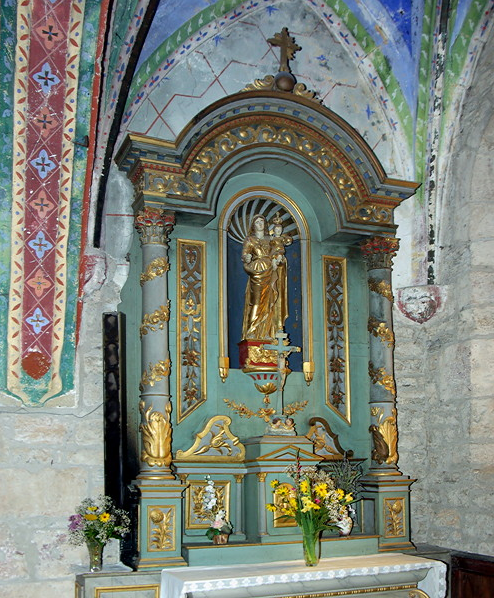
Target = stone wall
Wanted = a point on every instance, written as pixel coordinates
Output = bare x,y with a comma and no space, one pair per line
52,458
444,366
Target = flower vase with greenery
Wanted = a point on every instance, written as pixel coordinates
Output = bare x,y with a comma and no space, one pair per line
347,477
314,501
95,522
220,528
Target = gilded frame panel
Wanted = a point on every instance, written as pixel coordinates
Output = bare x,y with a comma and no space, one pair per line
336,342
161,537
193,499
191,326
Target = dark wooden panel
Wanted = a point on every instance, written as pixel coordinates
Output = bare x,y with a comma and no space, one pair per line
472,576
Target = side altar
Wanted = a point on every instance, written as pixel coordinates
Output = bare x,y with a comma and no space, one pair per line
259,327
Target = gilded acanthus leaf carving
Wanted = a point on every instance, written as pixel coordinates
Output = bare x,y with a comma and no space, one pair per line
384,436
155,428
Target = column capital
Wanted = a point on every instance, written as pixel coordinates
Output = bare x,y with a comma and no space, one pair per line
154,225
379,252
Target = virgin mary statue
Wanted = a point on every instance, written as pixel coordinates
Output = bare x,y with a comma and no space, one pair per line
261,294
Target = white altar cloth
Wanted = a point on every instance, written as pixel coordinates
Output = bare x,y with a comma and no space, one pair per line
293,577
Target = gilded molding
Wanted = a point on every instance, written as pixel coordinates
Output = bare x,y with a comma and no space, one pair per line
191,333
196,517
379,252
156,431
384,436
214,443
156,320
381,287
261,476
239,477
161,536
379,376
336,336
157,267
394,517
381,331
157,372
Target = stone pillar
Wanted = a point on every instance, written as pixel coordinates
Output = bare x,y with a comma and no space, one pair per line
385,486
378,252
154,226
160,505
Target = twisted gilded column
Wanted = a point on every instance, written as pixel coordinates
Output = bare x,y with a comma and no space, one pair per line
154,226
378,252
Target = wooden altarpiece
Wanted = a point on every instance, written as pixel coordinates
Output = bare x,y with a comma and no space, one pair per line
197,412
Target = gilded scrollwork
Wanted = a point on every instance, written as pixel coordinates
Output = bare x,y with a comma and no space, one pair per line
384,436
379,376
156,430
394,517
381,287
381,331
161,536
157,267
156,372
156,320
326,443
214,443
191,183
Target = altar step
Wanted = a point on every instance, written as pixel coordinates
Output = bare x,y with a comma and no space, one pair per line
245,553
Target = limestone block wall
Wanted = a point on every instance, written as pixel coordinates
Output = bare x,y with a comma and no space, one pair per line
50,459
444,366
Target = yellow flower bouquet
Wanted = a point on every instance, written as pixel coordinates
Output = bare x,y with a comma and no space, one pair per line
315,503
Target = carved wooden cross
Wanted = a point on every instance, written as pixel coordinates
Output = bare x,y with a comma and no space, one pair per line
287,45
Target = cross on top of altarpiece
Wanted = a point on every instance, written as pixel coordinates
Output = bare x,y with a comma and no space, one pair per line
287,46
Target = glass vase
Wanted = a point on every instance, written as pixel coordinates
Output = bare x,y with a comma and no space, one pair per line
95,550
312,547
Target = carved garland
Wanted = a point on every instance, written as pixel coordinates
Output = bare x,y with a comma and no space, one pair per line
156,320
